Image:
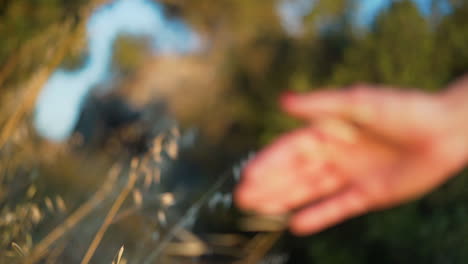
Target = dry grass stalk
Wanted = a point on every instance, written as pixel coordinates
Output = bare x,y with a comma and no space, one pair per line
172,149
187,236
157,175
36,214
226,240
26,50
41,248
55,253
162,218
185,249
18,249
38,41
137,198
263,223
118,257
148,180
49,204
60,204
41,76
259,247
157,148
132,178
186,218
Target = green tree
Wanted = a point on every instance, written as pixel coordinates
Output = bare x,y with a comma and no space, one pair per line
399,50
452,39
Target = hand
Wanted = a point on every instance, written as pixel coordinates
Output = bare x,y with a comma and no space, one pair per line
367,148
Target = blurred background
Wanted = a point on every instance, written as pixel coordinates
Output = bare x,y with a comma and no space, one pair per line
120,119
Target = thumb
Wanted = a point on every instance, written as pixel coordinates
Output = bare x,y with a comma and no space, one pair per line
361,104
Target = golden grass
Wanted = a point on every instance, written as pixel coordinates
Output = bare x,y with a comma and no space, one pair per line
112,212
118,257
41,248
68,35
188,245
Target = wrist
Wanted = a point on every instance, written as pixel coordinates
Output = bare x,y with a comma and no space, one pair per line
454,103
456,96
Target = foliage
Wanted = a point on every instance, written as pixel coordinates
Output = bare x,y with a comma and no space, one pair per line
256,60
129,53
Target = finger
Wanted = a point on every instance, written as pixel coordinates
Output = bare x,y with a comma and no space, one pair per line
361,104
293,172
266,198
390,114
279,167
286,199
305,193
329,212
277,193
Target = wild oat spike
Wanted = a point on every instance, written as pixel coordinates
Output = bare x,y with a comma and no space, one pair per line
18,249
31,191
137,198
36,215
49,204
118,257
162,218
167,199
60,203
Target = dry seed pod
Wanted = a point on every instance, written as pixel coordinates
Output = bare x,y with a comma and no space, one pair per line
172,149
18,249
167,199
137,198
162,218
31,191
134,163
49,204
36,215
60,203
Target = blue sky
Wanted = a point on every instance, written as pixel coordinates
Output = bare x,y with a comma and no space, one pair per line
292,11
60,101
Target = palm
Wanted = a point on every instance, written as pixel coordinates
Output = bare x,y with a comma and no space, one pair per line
387,147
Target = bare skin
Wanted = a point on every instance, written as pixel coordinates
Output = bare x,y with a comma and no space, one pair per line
365,148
